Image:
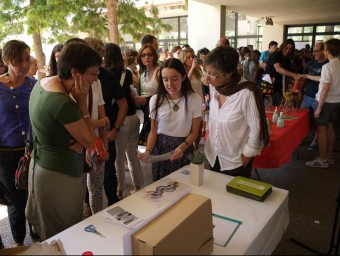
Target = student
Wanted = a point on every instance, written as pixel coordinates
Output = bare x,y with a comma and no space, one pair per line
175,103
328,98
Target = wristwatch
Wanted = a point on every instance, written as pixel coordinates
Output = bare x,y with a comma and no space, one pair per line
115,127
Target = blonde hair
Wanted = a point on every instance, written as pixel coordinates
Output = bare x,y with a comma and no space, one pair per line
183,57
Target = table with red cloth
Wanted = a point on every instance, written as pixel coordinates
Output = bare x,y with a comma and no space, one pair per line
283,141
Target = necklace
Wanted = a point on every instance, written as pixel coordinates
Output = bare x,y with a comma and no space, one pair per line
68,92
176,107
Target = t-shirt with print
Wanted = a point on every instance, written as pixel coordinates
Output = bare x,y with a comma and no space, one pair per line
313,68
49,112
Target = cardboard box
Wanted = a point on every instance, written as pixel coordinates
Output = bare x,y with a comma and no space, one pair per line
185,228
249,188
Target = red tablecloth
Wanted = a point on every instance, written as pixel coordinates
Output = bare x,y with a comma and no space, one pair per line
283,141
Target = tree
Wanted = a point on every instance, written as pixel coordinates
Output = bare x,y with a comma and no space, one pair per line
51,21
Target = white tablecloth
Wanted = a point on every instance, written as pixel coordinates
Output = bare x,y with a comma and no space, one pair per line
263,223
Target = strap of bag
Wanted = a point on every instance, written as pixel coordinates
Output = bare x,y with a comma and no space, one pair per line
122,78
28,138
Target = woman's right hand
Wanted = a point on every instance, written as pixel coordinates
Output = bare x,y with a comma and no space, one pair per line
76,147
80,89
144,157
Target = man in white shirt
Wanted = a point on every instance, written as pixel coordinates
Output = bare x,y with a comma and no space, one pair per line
328,98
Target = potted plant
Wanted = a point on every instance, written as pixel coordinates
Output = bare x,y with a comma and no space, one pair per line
196,167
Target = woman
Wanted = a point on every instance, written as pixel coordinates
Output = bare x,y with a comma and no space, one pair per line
62,128
131,64
175,103
128,136
15,90
237,121
149,76
278,66
195,74
52,68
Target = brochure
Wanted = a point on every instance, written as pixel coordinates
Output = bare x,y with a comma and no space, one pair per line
121,216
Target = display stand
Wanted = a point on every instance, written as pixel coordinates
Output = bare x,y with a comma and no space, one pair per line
335,238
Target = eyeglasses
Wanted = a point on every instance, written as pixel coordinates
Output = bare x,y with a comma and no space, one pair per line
212,77
143,55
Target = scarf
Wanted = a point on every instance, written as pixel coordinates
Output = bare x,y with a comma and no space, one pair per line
234,86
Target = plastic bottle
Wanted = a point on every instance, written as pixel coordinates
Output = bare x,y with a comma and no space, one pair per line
281,121
275,116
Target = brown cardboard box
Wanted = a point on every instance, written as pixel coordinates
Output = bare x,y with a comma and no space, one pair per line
185,228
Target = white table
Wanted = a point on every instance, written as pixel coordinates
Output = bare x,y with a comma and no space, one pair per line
263,223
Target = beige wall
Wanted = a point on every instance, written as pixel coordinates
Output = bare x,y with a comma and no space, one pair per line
271,33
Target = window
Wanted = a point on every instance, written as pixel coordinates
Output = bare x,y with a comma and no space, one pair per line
247,32
309,34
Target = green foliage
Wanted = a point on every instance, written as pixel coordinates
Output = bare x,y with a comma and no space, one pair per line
197,157
58,20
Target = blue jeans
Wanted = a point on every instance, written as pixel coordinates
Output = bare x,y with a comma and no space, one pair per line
110,178
308,102
311,104
16,211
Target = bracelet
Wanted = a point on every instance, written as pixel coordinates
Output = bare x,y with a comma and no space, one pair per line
148,150
186,142
86,116
105,122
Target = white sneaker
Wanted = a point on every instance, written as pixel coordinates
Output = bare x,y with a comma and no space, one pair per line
330,160
317,163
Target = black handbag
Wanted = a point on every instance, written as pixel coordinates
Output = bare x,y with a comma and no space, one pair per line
21,173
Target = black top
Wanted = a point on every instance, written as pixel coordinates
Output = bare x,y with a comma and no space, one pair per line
277,57
111,91
126,87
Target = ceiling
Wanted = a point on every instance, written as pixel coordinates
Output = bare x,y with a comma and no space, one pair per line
285,12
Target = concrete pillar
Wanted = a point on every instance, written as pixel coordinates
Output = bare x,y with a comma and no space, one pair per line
205,24
271,33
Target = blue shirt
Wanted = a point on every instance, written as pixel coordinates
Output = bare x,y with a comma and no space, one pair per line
14,117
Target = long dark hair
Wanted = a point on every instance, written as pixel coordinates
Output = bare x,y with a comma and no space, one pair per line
53,63
113,57
162,92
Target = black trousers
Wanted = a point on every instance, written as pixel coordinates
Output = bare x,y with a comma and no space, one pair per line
244,171
16,211
110,178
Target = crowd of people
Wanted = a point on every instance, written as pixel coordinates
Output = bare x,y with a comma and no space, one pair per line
90,97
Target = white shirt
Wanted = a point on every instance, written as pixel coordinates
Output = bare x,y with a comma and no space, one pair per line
149,87
330,74
234,129
176,124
